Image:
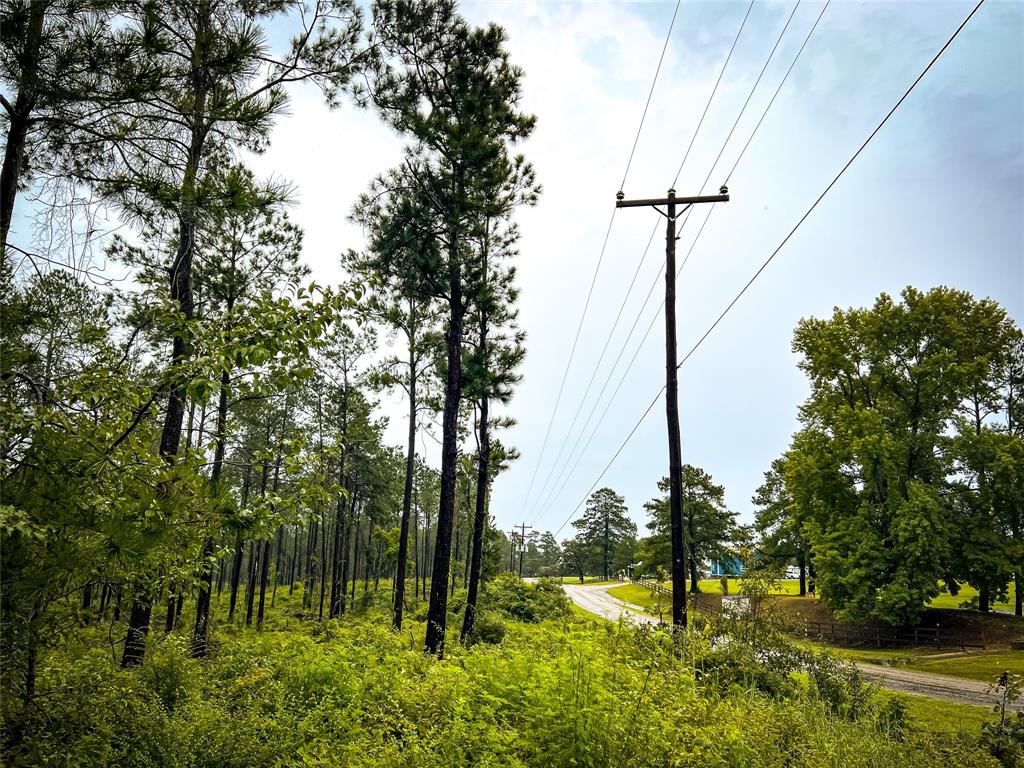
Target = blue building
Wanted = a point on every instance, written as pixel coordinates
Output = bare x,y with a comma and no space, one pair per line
730,567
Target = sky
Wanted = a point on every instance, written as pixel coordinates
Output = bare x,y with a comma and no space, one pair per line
937,198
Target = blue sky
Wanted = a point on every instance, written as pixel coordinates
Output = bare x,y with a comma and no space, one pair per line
936,199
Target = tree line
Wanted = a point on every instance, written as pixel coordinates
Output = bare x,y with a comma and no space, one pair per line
211,425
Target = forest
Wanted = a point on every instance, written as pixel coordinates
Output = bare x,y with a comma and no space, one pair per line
210,554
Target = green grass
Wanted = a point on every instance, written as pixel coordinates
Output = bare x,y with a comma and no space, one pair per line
637,595
980,666
642,596
587,580
946,600
975,665
937,716
886,656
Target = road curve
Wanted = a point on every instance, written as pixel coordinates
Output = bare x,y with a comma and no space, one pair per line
595,598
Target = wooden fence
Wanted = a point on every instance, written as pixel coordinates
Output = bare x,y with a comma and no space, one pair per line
880,636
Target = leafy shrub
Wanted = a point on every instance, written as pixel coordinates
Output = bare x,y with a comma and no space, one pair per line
487,629
891,718
737,665
171,674
516,599
840,686
1004,737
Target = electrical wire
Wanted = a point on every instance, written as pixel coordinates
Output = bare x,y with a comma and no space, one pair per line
538,506
775,252
597,268
593,375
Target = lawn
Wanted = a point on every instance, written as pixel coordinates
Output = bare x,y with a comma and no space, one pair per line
938,716
946,600
637,595
976,666
714,586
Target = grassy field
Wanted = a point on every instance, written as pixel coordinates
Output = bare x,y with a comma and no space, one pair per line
637,595
642,596
587,580
946,600
976,666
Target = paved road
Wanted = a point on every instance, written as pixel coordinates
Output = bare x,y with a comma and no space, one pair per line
595,598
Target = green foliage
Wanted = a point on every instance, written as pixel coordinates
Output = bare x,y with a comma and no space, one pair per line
509,595
552,695
606,534
908,468
840,687
1004,737
710,528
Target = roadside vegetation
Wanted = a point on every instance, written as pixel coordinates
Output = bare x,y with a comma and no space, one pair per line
535,687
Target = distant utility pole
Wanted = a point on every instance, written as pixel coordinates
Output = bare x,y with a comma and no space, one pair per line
675,462
512,550
522,544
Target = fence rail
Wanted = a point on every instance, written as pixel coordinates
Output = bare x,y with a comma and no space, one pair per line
856,634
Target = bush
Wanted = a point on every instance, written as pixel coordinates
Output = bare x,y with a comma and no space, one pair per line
840,686
516,599
487,629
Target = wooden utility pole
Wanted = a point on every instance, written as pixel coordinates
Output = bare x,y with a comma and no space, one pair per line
522,543
675,461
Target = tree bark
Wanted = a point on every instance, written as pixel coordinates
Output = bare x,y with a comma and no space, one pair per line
19,118
437,614
201,628
410,467
802,565
264,573
181,294
480,516
236,568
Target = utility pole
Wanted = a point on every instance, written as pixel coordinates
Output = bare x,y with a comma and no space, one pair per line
522,544
512,550
675,461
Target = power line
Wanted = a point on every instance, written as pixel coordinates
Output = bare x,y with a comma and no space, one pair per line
553,494
650,93
593,375
776,251
713,92
597,268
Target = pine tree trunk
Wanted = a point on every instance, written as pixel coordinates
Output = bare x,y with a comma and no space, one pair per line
401,567
181,294
18,120
250,585
264,573
480,516
172,604
802,564
355,562
437,615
